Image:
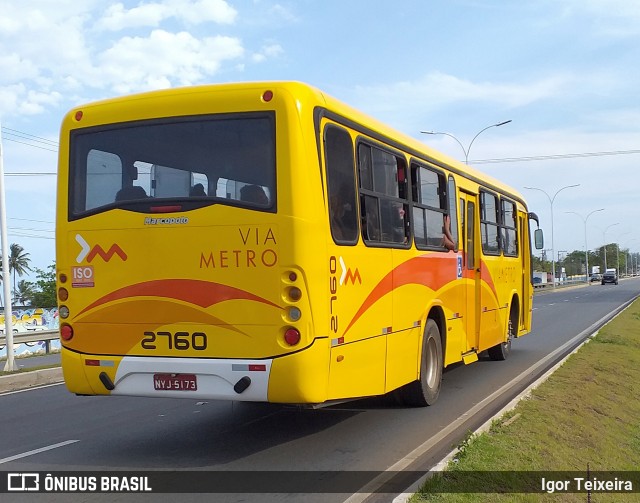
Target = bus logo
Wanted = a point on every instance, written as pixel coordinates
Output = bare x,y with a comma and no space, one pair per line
91,253
348,275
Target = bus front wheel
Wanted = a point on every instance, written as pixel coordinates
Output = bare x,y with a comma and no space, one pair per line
426,389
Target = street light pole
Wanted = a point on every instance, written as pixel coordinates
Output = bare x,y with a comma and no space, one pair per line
466,150
586,250
629,257
551,200
604,239
618,248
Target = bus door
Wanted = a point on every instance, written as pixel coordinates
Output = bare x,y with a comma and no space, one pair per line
525,253
471,272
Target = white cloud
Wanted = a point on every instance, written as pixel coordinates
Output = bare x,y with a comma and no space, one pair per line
267,52
15,69
163,58
117,17
440,90
56,49
610,18
217,11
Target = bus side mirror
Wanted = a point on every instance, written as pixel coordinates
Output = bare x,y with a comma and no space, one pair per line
538,239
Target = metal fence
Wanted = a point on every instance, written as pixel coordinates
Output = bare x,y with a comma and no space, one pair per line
32,336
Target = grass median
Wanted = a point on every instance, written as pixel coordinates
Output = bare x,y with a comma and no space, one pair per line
581,422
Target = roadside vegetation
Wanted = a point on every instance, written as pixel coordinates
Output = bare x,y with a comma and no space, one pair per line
584,417
41,292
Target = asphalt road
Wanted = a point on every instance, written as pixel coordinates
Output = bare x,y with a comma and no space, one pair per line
121,433
37,361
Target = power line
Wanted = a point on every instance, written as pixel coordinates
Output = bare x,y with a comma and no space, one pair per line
27,229
31,174
555,156
27,235
30,144
29,139
29,136
30,220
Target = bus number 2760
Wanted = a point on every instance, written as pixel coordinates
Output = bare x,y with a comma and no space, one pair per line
182,341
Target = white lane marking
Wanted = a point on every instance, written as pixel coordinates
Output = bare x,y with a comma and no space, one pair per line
37,451
31,389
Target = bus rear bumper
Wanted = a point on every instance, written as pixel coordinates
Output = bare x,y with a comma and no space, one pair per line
296,378
244,380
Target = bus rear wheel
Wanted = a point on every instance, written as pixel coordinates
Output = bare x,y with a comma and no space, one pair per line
426,389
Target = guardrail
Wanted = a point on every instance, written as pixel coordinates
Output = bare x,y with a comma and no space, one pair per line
32,336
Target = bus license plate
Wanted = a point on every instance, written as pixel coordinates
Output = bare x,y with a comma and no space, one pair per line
175,382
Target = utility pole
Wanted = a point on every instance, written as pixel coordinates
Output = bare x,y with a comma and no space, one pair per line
6,273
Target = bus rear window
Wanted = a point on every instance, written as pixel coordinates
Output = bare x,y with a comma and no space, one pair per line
205,159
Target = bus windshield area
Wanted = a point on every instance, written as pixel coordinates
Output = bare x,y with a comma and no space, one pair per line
224,158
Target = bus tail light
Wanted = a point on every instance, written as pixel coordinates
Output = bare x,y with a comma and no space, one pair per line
167,208
63,294
295,294
294,314
66,332
292,336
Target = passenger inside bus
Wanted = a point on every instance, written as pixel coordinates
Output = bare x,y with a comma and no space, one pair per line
254,194
343,217
197,190
447,239
129,193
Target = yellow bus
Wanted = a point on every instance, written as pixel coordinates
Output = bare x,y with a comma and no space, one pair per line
266,242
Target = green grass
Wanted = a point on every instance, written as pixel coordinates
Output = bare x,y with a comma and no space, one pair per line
586,413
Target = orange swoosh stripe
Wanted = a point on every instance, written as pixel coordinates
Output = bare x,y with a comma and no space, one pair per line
198,292
439,271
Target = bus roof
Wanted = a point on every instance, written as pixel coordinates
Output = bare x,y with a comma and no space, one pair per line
314,97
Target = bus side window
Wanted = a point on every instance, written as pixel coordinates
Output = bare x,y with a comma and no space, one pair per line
509,230
383,196
453,213
489,223
343,214
430,208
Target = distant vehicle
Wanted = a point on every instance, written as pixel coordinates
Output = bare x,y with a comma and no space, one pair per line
596,277
539,278
610,276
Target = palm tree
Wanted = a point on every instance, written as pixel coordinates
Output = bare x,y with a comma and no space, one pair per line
24,293
18,261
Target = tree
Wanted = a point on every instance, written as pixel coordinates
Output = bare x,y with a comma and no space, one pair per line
45,288
18,261
24,293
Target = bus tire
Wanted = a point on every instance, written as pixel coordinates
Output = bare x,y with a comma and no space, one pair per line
425,390
501,351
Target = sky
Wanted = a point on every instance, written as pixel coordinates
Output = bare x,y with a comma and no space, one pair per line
565,72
